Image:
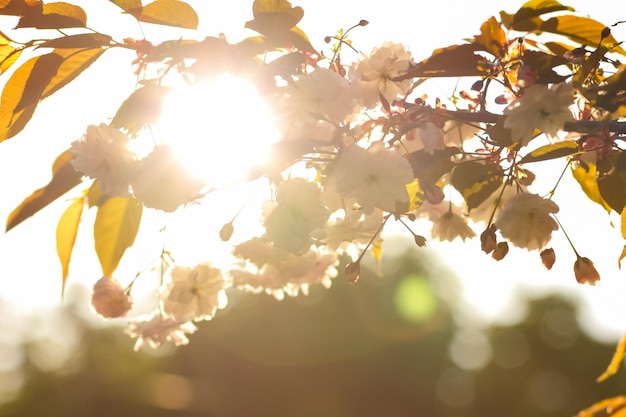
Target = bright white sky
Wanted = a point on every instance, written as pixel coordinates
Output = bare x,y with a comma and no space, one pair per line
31,273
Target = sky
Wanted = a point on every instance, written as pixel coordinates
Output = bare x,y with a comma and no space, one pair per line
31,273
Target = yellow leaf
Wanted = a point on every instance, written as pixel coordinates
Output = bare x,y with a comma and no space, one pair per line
616,361
75,61
416,195
492,37
64,178
377,253
127,5
274,17
552,151
622,256
605,407
66,232
167,12
115,228
589,184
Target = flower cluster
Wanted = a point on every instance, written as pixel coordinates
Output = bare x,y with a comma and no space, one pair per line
362,142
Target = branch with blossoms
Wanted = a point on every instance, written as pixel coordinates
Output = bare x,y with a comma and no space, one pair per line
361,144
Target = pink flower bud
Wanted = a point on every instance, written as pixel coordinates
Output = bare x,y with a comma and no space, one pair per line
500,252
585,272
548,257
109,299
352,271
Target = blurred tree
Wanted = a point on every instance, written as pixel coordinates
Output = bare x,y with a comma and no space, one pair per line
356,350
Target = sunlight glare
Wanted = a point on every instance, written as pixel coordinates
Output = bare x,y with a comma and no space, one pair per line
219,129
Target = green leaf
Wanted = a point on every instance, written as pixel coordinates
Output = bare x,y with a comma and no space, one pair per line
476,181
536,8
58,15
552,151
115,229
141,107
127,5
84,40
273,18
452,61
66,232
168,13
64,178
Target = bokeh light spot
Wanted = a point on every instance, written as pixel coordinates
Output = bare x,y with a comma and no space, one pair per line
414,299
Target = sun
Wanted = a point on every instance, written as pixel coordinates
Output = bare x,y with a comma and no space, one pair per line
219,129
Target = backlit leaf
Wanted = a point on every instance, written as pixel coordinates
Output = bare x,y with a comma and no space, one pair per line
604,408
141,107
127,4
616,361
377,253
37,79
476,181
587,178
8,53
57,15
583,30
168,13
552,151
84,40
75,61
621,256
536,8
115,229
492,37
416,195
274,17
66,232
64,178
18,7
612,185
452,61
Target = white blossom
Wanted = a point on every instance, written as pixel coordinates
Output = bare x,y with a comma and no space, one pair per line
154,330
375,177
290,275
450,226
162,181
540,107
526,221
373,76
103,154
322,94
193,293
109,300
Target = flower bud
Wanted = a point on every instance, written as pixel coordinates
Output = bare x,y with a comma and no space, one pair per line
109,299
478,85
226,232
352,271
488,242
500,252
585,272
606,32
548,257
363,22
420,240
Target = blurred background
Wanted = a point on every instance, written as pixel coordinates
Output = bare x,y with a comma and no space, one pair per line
402,345
473,338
